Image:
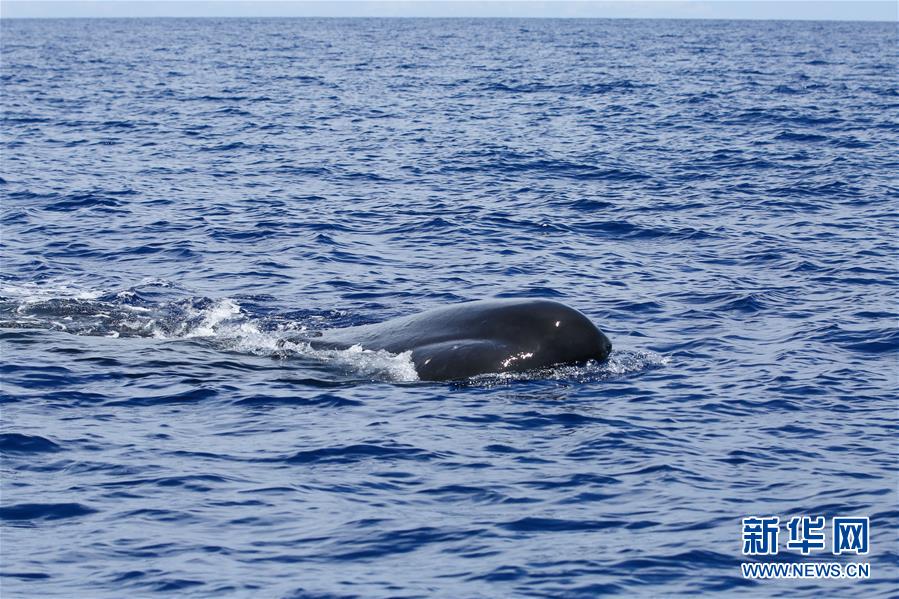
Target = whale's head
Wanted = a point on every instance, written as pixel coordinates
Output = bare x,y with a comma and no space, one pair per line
569,335
549,332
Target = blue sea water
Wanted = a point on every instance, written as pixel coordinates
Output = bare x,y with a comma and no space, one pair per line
181,198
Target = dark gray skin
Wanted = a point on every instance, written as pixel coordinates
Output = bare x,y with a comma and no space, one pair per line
463,340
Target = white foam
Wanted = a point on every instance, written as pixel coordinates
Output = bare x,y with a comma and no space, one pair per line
247,338
625,362
620,363
396,367
221,312
29,293
228,326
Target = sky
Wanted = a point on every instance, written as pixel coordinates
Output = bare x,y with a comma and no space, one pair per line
847,10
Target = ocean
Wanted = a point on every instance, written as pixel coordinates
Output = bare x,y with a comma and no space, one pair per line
183,198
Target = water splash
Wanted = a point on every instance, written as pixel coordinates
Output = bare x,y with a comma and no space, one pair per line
223,323
620,363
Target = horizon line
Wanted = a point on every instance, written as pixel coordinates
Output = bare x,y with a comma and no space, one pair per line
879,11
441,18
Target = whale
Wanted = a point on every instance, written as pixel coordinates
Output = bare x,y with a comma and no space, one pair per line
464,340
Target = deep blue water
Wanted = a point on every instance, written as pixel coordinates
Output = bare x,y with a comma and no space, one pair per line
181,196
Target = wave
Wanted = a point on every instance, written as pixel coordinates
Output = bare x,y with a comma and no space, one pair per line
18,443
44,511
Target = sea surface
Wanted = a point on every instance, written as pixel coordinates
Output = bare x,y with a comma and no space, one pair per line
183,199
